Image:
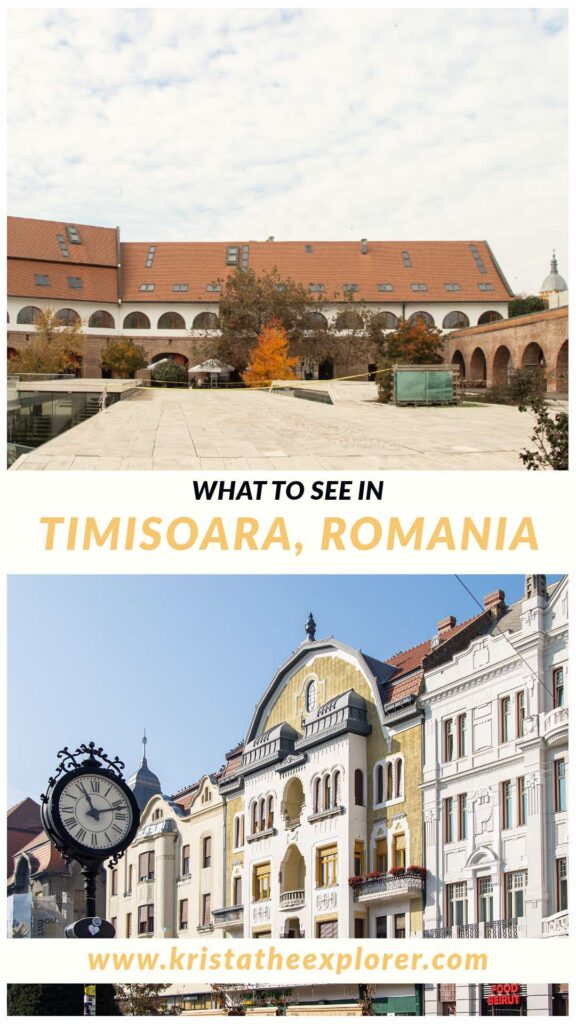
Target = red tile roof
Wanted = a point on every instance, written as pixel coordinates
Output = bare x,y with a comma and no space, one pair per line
99,284
332,264
36,239
43,855
23,821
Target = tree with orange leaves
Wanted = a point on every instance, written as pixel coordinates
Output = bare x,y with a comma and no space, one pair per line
269,359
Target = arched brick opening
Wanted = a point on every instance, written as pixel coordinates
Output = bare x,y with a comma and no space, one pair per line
562,369
478,367
458,360
501,365
11,353
176,357
533,356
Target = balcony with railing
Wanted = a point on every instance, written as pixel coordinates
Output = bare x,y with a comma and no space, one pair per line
229,917
508,928
555,726
388,887
555,925
292,900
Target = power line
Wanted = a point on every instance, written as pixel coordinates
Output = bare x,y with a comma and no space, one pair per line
506,637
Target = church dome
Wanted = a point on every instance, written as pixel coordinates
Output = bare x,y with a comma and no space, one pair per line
554,282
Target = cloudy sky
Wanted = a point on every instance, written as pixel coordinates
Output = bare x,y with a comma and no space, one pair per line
302,123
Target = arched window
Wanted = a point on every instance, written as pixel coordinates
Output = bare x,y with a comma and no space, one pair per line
380,784
386,321
348,320
489,317
359,788
398,791
254,817
28,315
262,815
336,788
270,815
158,813
315,321
136,322
67,317
205,322
316,796
423,317
389,782
311,695
454,320
102,318
327,793
171,322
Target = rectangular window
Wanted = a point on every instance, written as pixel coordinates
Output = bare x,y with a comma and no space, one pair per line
128,925
506,805
43,280
381,927
385,286
237,892
214,287
505,719
183,914
73,234
359,927
449,820
63,247
232,255
461,735
261,882
399,850
358,858
146,866
206,909
327,929
350,287
560,785
477,258
452,286
449,739
406,259
129,878
558,687
485,286
146,919
150,256
115,882
75,282
515,886
399,926
381,856
520,712
562,884
485,899
145,287
462,816
419,287
315,287
185,860
327,866
207,851
456,904
179,287
522,800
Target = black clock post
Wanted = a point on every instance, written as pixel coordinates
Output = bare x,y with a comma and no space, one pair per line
91,816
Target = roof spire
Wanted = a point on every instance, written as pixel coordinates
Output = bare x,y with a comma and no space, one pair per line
553,263
144,742
310,628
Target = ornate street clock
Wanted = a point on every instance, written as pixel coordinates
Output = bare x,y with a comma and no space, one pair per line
89,812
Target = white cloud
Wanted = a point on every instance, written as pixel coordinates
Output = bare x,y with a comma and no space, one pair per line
338,123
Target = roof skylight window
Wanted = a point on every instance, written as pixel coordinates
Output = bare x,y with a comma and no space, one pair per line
485,286
62,243
150,256
180,287
75,282
73,234
385,286
232,256
214,287
316,287
350,287
146,287
42,280
419,287
477,258
406,259
452,286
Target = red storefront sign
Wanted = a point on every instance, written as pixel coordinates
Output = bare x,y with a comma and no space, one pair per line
504,995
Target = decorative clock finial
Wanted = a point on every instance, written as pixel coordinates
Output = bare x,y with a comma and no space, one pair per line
310,628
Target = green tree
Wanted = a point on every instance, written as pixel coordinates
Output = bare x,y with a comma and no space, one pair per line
123,358
59,1001
520,305
249,302
550,435
170,372
413,342
142,1000
53,348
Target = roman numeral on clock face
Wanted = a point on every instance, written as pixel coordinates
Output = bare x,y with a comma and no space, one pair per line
70,822
95,785
121,815
94,839
80,835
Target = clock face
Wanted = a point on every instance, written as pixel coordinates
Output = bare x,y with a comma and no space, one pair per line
95,812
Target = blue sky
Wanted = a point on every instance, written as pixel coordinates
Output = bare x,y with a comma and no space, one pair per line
187,657
320,123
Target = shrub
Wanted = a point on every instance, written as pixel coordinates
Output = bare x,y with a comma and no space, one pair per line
170,372
522,387
550,436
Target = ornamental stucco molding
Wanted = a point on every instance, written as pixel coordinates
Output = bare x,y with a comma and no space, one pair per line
261,913
327,900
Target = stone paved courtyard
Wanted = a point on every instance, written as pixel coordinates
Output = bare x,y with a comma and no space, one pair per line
243,430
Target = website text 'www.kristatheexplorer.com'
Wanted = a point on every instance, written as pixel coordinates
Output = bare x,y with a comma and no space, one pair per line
270,961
